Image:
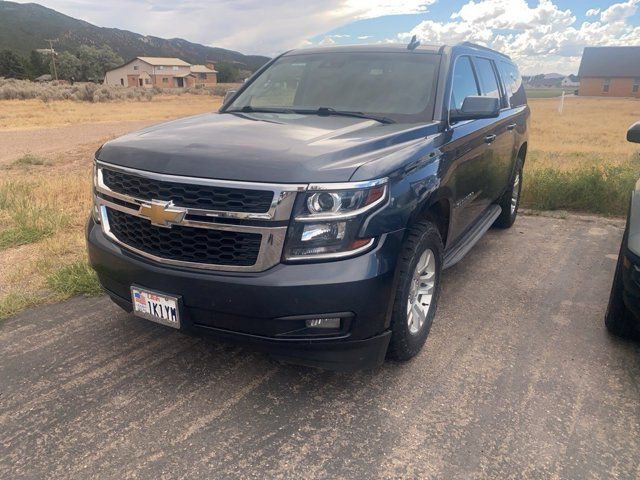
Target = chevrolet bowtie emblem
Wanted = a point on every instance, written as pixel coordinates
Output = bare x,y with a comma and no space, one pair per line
162,214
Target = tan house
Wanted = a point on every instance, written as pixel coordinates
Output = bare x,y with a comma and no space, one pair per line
610,72
160,72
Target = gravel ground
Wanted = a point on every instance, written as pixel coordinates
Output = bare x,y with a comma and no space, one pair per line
49,141
518,379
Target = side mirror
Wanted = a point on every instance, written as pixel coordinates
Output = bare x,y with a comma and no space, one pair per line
633,135
475,107
228,95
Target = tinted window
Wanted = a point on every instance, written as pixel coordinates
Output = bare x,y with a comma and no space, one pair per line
399,85
488,80
513,82
464,83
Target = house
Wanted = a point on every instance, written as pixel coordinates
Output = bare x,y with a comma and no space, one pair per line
160,72
610,72
549,80
570,81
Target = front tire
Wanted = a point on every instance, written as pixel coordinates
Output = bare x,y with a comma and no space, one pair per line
418,290
510,201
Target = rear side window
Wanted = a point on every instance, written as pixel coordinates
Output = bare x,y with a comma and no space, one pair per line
488,80
513,83
464,83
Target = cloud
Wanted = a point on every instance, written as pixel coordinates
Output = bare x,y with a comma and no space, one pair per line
620,11
593,12
542,37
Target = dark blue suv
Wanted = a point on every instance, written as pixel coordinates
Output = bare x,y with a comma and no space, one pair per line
313,214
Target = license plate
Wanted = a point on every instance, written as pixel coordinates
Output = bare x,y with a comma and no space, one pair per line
157,307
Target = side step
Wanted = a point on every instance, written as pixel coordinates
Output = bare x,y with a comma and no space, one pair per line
466,243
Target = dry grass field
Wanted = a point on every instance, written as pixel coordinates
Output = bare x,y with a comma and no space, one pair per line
577,160
35,114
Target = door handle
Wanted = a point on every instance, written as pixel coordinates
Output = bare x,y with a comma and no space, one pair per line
512,126
489,138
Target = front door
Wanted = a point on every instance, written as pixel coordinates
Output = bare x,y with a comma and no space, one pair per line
466,153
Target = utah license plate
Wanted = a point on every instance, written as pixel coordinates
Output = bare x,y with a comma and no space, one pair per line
157,307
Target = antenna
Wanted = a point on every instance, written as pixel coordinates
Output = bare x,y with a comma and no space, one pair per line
414,43
53,58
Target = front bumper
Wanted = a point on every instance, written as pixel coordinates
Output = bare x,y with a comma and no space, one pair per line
262,309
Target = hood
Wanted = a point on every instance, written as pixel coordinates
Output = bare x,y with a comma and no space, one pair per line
278,148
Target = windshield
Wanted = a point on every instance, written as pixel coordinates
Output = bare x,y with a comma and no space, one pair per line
397,85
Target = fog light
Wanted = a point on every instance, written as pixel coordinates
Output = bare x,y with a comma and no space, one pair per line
329,323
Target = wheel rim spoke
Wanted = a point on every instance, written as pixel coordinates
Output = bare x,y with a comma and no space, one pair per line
421,292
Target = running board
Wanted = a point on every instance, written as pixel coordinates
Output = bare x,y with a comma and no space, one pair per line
460,249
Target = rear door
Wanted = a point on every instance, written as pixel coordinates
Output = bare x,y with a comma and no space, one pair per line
500,138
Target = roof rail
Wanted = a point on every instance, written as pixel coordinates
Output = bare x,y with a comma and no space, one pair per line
481,47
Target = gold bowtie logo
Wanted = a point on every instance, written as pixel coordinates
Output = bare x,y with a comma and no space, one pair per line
162,214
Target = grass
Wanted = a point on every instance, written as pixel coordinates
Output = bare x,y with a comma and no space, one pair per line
548,92
580,160
603,189
29,160
14,303
27,218
35,114
75,279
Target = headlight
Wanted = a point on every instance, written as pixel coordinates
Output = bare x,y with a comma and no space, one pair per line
328,219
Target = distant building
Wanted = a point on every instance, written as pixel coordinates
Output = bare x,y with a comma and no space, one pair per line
160,72
570,81
610,72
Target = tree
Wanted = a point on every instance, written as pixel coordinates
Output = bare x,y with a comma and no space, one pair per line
37,65
94,62
227,72
11,65
69,66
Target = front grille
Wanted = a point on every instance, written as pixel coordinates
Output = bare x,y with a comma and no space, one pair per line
189,195
186,244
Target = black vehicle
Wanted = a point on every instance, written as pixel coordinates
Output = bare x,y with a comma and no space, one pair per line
312,216
623,313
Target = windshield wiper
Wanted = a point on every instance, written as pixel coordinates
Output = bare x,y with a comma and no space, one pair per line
250,109
326,111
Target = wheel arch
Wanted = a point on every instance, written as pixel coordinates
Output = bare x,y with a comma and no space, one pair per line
437,209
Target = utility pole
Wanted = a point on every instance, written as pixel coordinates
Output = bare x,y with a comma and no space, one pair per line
53,58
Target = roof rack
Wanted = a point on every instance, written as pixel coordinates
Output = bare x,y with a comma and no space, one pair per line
481,47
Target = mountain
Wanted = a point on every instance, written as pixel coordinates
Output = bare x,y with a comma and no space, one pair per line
27,26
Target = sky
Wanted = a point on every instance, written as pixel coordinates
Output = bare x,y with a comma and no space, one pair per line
543,36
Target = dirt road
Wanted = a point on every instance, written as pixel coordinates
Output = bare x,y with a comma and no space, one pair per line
48,141
518,379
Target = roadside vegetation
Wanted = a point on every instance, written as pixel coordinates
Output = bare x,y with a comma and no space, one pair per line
13,89
577,161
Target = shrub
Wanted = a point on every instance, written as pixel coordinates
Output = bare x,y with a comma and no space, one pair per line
11,89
